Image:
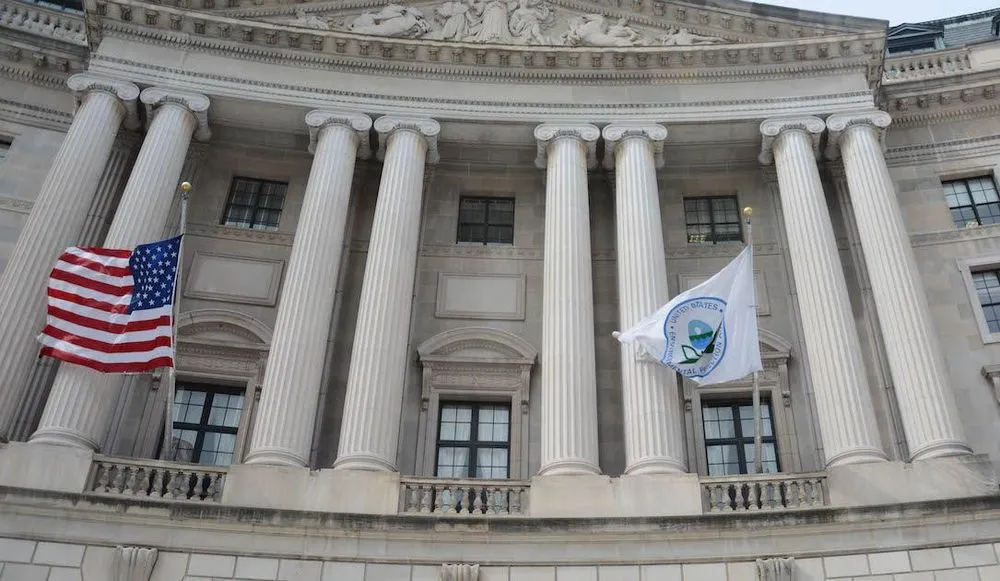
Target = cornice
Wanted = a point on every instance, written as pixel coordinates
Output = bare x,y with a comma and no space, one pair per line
945,104
15,205
959,148
276,43
955,236
39,116
240,234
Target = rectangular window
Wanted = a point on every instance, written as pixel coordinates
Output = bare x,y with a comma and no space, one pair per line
988,290
712,220
4,148
254,204
729,438
473,441
486,220
206,419
973,201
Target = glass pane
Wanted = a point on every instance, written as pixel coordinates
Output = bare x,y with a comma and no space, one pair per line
722,460
183,445
493,424
472,211
491,463
453,462
769,455
226,410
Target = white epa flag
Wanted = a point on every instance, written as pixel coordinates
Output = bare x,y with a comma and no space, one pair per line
708,333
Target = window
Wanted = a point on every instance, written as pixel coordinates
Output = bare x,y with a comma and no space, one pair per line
486,220
712,220
254,204
973,201
729,438
206,419
473,440
987,284
4,148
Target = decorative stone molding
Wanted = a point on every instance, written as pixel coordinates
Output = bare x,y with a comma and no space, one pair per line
616,132
64,25
546,133
241,234
776,569
132,563
992,374
426,127
197,104
82,84
841,122
16,205
475,362
770,129
317,119
459,572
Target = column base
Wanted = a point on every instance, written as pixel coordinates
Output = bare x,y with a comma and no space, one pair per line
656,465
899,482
599,496
64,437
574,467
365,462
857,456
45,467
297,488
941,449
275,457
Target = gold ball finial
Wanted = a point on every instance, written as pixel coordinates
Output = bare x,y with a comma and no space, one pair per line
185,187
747,212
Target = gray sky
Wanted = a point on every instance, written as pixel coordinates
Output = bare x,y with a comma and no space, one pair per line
895,11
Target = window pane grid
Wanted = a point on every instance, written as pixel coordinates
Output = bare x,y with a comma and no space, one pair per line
205,422
473,441
254,204
987,284
486,220
729,435
972,201
712,220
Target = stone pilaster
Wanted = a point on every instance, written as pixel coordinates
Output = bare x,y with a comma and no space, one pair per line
836,366
926,402
654,440
81,402
372,407
283,427
569,374
55,222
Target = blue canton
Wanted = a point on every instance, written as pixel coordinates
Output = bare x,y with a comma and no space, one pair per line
154,269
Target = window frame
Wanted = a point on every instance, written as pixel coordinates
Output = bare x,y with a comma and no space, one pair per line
712,224
6,144
966,268
965,178
488,200
473,444
203,427
739,439
257,208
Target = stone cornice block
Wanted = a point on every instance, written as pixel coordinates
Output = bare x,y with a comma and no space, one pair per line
770,129
841,122
426,127
361,124
82,84
546,133
196,103
617,132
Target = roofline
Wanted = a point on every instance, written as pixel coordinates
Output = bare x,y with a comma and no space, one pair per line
953,19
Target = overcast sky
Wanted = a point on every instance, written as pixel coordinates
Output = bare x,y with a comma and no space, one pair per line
895,11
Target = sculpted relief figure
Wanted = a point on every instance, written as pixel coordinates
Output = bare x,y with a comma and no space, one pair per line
304,20
457,20
594,30
392,20
528,20
684,37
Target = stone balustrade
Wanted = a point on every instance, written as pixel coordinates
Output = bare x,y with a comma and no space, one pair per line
49,22
935,64
764,492
155,480
463,497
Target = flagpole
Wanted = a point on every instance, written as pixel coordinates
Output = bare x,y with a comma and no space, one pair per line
758,443
168,427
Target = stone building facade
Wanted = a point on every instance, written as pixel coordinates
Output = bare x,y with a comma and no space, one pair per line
413,228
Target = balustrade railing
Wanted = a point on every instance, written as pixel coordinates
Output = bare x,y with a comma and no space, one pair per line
932,64
463,497
763,492
150,479
48,20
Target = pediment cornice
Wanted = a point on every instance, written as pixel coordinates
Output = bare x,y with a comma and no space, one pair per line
278,43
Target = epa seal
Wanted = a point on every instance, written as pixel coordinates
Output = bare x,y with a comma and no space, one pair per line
696,336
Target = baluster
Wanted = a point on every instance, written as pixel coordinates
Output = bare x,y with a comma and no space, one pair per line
816,498
426,494
439,499
797,498
492,500
132,481
514,501
101,482
477,499
753,496
220,482
143,482
177,489
771,496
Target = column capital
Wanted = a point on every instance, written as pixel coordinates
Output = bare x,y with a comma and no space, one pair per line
195,103
771,128
83,83
422,126
839,123
547,133
617,132
360,124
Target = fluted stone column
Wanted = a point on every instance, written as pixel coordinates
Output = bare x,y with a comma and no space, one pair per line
55,223
654,440
569,374
81,402
836,366
926,402
283,427
372,407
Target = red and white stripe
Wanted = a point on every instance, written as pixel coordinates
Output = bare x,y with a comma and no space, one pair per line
88,322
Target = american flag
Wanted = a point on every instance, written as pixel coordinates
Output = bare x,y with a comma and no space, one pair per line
112,310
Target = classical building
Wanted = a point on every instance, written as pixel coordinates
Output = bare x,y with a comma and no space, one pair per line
413,229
